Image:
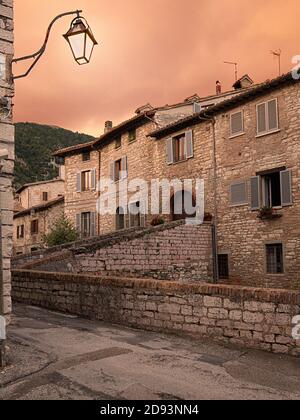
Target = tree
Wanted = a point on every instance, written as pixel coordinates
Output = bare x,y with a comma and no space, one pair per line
62,232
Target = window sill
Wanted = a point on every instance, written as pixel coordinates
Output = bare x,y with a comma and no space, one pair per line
237,135
239,205
268,133
132,141
181,161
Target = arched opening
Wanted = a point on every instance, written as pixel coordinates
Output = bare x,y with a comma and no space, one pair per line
183,205
120,218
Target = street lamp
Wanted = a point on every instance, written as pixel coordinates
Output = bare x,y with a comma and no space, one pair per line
80,37
81,40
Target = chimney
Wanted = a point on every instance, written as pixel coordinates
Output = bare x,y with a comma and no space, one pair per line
108,126
218,87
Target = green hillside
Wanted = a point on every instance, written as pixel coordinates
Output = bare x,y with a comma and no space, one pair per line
35,144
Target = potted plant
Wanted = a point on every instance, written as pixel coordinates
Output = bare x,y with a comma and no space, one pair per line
157,221
268,212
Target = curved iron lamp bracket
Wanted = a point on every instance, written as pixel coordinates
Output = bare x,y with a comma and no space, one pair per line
36,56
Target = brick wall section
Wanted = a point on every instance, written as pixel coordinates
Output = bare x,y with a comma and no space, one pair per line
173,251
249,317
7,145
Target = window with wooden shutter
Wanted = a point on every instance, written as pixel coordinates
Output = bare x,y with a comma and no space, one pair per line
112,171
2,66
78,182
286,188
78,223
236,124
238,193
267,117
170,157
272,115
93,224
189,146
255,193
93,179
124,167
261,119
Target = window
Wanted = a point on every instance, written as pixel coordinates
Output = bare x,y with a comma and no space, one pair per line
120,218
180,148
86,224
236,124
223,266
86,156
132,135
136,214
274,255
119,169
238,193
86,181
118,142
2,67
45,196
20,232
34,227
267,117
272,189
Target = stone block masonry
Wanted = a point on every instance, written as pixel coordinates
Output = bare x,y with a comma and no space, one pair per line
253,318
6,153
174,251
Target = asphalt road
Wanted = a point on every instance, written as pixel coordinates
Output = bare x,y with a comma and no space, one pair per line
53,356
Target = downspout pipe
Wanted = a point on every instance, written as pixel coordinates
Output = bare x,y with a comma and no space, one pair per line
212,120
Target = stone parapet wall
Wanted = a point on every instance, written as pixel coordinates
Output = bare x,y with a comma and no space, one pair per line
254,318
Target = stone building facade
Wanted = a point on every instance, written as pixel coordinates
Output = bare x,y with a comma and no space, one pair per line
251,144
246,150
32,224
6,152
121,155
37,193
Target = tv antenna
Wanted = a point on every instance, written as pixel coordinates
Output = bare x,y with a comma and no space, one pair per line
277,54
235,68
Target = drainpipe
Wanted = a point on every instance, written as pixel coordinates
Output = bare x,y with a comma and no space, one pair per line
212,120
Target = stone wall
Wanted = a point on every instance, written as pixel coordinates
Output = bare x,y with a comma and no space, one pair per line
249,317
174,251
6,150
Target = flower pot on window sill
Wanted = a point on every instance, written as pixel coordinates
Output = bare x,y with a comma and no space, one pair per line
268,213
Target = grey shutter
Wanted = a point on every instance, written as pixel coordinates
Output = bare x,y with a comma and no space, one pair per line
238,193
261,119
93,224
170,155
286,188
197,108
112,171
124,166
255,193
273,115
78,223
189,147
78,182
93,179
236,123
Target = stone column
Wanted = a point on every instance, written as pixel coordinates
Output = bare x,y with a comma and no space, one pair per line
6,158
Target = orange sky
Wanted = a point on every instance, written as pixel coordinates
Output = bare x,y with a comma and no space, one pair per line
157,51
